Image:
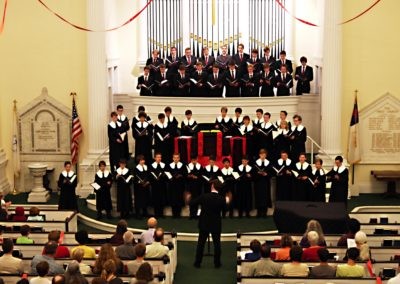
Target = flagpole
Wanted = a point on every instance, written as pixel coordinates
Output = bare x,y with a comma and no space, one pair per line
15,192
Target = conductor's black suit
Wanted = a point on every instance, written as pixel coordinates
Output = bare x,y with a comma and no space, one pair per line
212,205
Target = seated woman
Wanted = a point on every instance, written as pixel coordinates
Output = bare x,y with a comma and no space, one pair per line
295,268
19,215
118,237
311,253
351,269
34,214
286,245
24,238
313,225
107,253
108,273
255,247
361,241
353,226
144,274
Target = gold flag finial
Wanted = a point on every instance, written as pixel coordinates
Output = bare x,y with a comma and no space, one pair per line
73,94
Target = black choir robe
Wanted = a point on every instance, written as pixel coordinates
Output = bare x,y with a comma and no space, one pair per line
241,62
284,179
189,127
207,63
267,84
229,188
303,79
250,86
283,85
143,135
123,119
282,142
224,124
117,149
265,137
67,182
154,65
136,119
160,88
215,85
164,140
145,86
210,173
181,85
124,180
256,64
298,138
244,189
199,89
141,189
257,122
251,139
287,62
340,184
172,64
190,66
194,184
158,187
232,83
176,187
172,123
262,186
318,189
103,195
301,188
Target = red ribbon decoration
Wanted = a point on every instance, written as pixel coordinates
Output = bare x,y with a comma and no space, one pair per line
200,143
3,20
89,30
315,25
219,145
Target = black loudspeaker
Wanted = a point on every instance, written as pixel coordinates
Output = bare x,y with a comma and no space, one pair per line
292,216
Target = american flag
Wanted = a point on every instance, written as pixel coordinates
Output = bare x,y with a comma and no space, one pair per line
76,132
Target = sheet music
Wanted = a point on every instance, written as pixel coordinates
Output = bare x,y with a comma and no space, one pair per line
168,174
95,185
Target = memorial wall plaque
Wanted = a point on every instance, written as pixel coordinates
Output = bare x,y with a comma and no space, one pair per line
380,131
45,132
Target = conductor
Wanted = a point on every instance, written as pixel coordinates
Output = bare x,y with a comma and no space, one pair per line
212,205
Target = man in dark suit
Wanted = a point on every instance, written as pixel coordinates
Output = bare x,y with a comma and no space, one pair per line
283,82
232,81
283,61
267,58
215,82
212,205
145,83
255,61
303,75
181,83
188,60
198,82
223,59
267,81
250,82
163,82
172,61
154,62
207,60
241,58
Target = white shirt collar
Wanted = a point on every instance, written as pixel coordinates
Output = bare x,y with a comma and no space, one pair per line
178,165
139,124
170,118
189,122
220,118
264,163
67,174
154,165
100,173
215,168
321,171
249,127
238,119
257,120
122,171
300,127
191,166
288,162
248,168
141,168
266,125
165,125
339,169
122,117
227,171
303,166
115,124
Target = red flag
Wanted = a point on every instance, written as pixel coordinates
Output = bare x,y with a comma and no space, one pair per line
76,132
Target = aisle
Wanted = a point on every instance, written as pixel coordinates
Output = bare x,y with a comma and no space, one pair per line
187,273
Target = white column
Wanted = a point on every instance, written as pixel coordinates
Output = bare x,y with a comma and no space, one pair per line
331,81
98,98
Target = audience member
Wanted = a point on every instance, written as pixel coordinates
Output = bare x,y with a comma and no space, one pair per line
98,280
19,215
8,263
350,269
255,247
295,268
106,253
58,279
361,241
77,255
82,238
42,269
49,252
157,249
144,274
1,234
353,226
311,253
73,274
133,266
396,279
109,272
147,237
323,270
265,266
3,214
286,245
62,251
118,237
34,214
24,238
23,281
127,249
313,225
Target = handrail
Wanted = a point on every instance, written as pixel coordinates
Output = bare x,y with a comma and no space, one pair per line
97,158
313,142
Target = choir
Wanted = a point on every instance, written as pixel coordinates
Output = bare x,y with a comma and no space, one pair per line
237,75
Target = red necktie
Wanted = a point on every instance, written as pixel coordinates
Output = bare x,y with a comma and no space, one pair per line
241,57
189,61
163,76
206,60
302,72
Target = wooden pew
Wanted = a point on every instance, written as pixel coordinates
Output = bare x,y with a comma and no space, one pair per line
382,217
286,280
